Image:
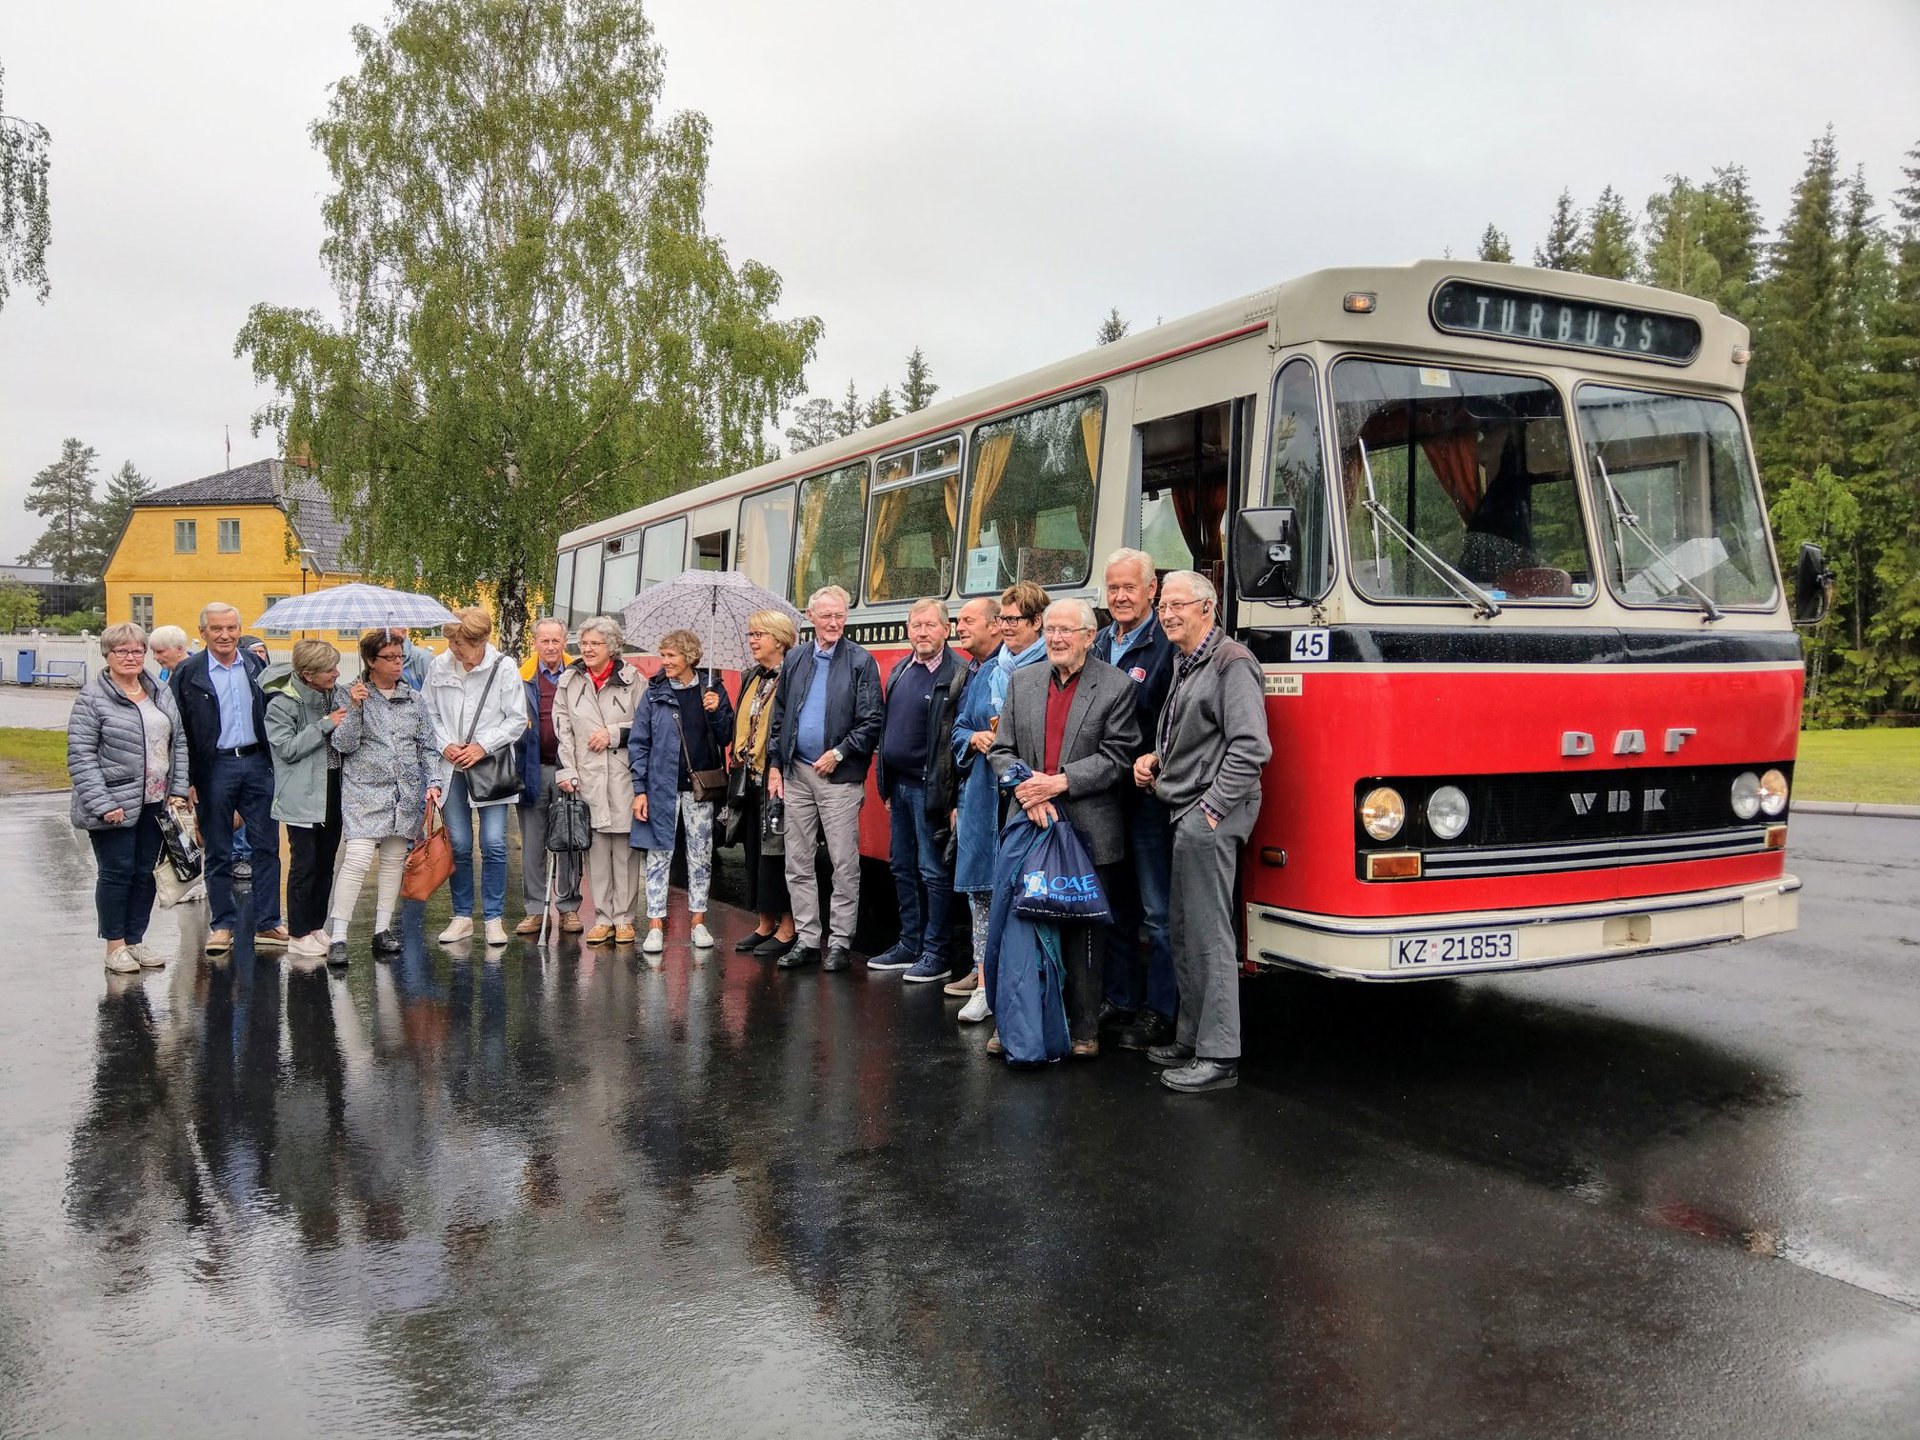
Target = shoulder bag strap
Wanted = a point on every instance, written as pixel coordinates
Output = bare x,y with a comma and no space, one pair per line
485,690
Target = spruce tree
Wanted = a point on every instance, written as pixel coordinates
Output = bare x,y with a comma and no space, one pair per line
1676,257
851,414
917,390
1495,246
880,408
814,423
1610,250
1565,247
1112,328
125,488
1791,390
1731,235
62,495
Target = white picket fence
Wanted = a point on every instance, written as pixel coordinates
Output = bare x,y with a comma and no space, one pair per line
79,656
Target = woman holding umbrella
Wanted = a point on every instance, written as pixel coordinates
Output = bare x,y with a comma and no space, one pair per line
679,726
592,717
770,635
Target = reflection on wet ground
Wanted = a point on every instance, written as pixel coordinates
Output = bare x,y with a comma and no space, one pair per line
516,1192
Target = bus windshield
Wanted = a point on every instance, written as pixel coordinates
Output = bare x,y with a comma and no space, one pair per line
1675,498
1459,485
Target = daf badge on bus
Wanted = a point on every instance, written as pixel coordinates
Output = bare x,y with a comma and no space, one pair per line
1468,308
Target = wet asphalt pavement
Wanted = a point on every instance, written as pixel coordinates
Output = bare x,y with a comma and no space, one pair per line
577,1195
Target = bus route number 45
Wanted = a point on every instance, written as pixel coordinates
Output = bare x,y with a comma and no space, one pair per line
1307,645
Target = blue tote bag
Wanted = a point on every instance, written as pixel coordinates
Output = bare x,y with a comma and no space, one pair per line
1058,882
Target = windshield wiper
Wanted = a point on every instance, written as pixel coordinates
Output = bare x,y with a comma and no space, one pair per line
1483,603
1623,516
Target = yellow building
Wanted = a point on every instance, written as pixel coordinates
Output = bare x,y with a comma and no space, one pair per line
246,537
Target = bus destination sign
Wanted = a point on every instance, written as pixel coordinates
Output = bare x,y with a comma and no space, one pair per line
1467,308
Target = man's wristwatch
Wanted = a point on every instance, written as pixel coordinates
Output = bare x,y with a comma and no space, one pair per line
838,758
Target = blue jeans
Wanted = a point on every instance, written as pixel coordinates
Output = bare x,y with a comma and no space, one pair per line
458,813
123,888
1144,909
243,783
920,875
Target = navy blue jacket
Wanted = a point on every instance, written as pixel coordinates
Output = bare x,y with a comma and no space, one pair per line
1148,663
936,777
855,714
200,711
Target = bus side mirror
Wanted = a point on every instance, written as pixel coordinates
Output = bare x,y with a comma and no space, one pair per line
1812,587
1265,563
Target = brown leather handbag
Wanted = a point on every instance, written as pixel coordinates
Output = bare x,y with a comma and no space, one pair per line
430,861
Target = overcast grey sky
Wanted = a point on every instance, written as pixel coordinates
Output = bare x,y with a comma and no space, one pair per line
981,180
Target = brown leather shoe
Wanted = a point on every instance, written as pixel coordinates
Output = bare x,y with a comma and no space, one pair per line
965,985
1086,1049
275,938
219,942
623,934
994,1046
599,935
571,922
529,925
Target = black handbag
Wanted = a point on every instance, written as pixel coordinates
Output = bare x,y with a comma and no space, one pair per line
180,847
729,825
495,776
706,785
569,823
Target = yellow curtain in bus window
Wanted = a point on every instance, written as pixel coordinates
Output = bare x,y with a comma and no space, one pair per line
989,469
813,509
887,511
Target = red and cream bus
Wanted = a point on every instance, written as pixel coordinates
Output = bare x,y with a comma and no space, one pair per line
1495,534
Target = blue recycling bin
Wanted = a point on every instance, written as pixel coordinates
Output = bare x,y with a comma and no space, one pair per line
24,664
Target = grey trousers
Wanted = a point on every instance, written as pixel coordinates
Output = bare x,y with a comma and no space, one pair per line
613,872
533,855
1206,955
817,807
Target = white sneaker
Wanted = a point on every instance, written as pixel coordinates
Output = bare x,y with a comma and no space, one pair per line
146,957
702,938
460,929
306,947
123,962
496,931
976,1009
656,940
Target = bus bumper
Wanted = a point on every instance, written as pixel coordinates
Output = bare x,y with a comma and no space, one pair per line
1428,946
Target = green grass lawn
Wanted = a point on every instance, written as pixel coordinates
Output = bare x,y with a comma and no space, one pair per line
1881,766
35,759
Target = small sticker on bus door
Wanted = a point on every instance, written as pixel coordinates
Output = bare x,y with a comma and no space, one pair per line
1435,379
1307,645
1284,685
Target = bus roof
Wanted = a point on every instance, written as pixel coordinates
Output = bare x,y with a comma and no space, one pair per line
1308,308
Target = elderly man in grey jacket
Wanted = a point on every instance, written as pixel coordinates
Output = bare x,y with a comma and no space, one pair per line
1205,768
1071,723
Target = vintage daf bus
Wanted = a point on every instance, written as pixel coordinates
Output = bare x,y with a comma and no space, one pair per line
1495,534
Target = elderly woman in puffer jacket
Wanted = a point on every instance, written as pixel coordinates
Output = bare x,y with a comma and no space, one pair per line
303,708
127,754
592,717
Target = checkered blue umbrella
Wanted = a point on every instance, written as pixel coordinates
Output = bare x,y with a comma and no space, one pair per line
355,607
713,604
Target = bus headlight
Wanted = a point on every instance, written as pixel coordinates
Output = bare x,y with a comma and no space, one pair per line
1773,792
1383,812
1447,812
1746,795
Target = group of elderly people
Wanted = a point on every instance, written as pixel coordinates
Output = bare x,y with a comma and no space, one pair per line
1149,735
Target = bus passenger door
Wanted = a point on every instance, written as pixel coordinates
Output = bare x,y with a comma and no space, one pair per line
1190,459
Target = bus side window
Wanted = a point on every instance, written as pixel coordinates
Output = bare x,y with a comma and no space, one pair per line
1299,473
665,554
833,514
562,606
915,502
620,575
586,586
766,538
1031,488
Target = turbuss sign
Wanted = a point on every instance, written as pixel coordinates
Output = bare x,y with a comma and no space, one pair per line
1538,319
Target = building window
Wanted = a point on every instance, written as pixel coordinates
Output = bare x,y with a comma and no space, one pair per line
271,601
229,537
186,536
142,611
